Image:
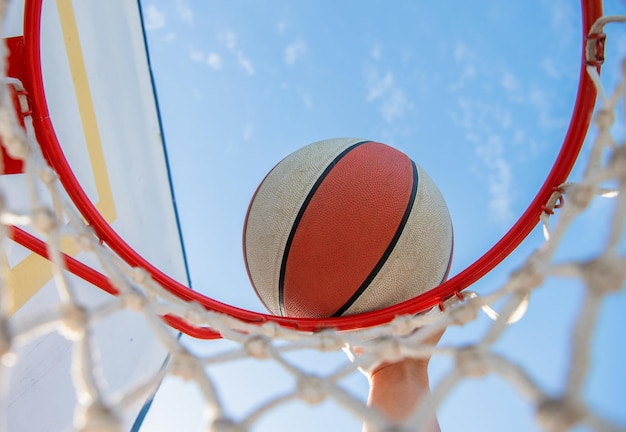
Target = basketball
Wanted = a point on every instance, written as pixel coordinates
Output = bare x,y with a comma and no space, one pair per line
345,226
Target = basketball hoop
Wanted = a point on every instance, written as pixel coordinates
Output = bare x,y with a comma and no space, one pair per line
592,51
100,385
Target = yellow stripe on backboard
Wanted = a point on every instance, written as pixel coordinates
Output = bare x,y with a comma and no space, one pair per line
105,204
33,272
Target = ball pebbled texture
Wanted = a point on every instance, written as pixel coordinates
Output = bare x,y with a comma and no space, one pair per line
345,226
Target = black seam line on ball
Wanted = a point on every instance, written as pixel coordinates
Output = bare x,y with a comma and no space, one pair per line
294,227
388,251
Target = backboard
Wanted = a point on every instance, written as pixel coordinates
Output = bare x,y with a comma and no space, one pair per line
101,101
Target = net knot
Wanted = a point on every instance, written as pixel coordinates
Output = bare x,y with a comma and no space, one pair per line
185,365
581,195
389,348
15,144
135,301
559,414
528,277
74,322
258,346
223,424
47,175
311,389
271,329
139,275
466,311
194,313
84,240
44,220
97,417
556,201
595,49
471,361
605,274
604,118
403,325
329,341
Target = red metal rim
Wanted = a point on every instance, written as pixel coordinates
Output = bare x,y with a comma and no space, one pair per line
579,123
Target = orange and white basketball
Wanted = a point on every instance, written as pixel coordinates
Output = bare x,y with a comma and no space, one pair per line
344,226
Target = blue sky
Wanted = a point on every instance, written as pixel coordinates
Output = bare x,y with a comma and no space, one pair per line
478,93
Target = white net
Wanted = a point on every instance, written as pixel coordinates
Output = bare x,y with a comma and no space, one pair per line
101,406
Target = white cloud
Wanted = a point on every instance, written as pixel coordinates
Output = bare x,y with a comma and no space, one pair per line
468,73
281,26
196,55
548,66
393,101
504,117
499,176
184,12
519,136
229,40
154,18
563,15
487,127
295,51
394,105
377,86
307,101
481,118
510,82
465,58
305,97
463,53
565,22
377,51
540,101
169,37
463,117
214,61
245,63
248,132
513,88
